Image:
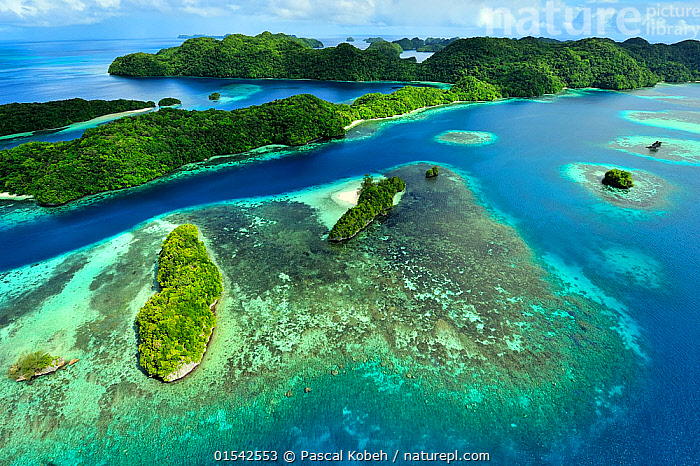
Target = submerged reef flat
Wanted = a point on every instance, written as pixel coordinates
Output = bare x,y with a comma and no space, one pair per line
467,138
650,192
235,92
369,128
446,318
674,151
629,265
670,119
657,94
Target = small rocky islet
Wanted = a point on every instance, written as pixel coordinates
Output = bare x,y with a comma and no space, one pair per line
36,364
671,150
616,178
650,193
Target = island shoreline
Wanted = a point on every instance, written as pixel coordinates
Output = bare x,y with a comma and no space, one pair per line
422,109
107,116
277,147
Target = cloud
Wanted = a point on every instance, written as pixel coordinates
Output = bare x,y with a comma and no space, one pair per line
336,12
55,12
69,12
465,16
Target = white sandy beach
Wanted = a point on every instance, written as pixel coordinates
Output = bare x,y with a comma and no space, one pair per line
81,124
331,201
357,122
110,116
13,197
350,197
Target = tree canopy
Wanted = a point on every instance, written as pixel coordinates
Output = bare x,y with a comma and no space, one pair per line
517,67
375,199
169,102
132,151
18,118
175,324
618,179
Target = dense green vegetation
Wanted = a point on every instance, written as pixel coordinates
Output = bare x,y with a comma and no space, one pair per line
470,88
28,365
432,172
169,102
672,63
267,56
350,39
375,199
313,43
531,67
24,118
131,151
518,68
214,96
371,40
433,44
409,98
618,179
409,44
175,324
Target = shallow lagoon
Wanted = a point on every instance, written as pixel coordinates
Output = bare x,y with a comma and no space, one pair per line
419,315
508,242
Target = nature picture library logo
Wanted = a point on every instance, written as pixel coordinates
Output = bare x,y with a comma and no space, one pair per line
673,21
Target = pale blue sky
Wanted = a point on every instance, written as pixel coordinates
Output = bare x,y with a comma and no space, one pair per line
77,19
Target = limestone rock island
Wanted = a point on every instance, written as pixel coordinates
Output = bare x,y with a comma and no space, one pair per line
618,179
34,365
169,102
176,323
375,199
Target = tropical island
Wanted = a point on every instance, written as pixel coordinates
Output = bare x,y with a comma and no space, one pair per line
175,325
132,151
432,172
648,192
431,44
169,102
618,179
214,96
524,67
376,198
18,118
34,365
409,44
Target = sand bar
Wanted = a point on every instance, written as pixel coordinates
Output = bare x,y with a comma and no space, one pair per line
350,197
14,197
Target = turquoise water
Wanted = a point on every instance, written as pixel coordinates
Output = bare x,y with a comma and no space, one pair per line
510,306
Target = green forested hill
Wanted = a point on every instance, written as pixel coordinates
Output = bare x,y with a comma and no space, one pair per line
672,63
24,118
375,199
531,67
519,68
133,151
176,323
268,56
